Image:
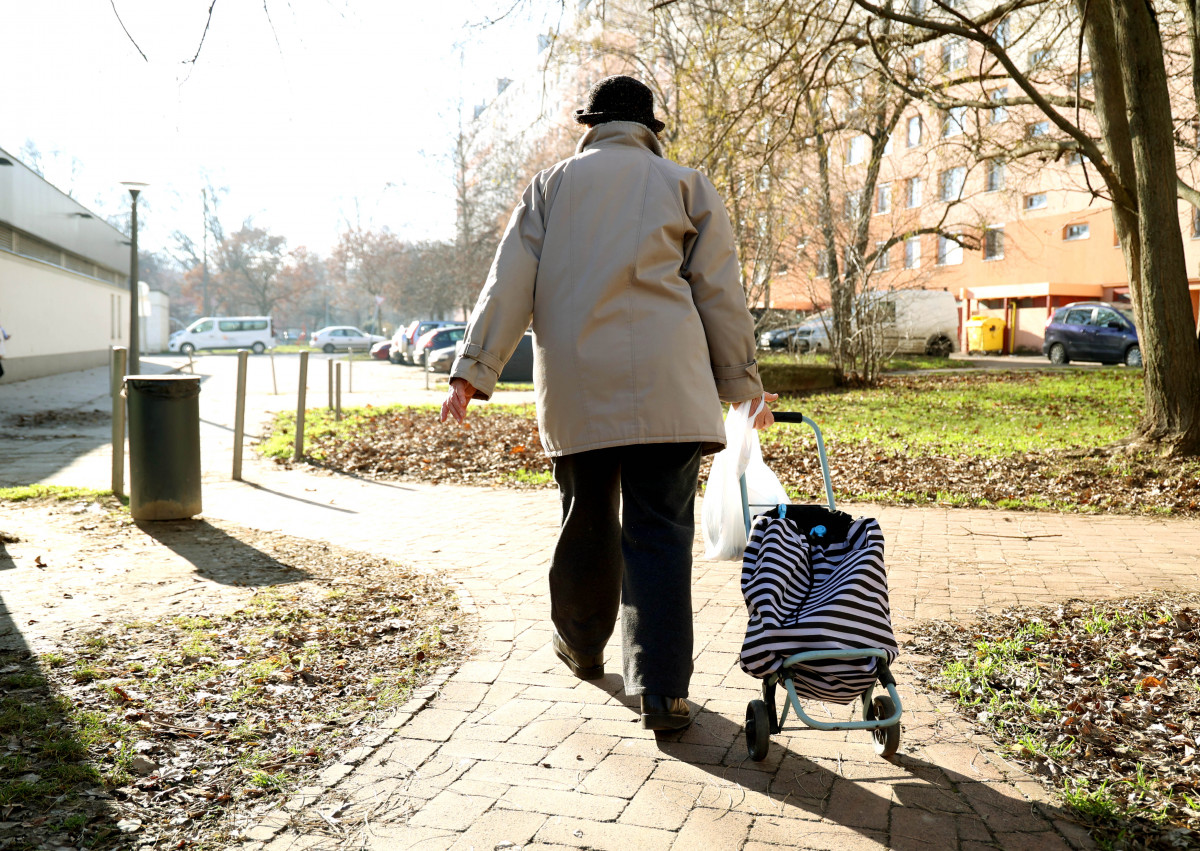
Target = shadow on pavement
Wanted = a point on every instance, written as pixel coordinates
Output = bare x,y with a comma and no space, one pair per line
219,556
280,493
935,807
50,793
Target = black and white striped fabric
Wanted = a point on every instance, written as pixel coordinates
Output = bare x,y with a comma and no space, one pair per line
816,592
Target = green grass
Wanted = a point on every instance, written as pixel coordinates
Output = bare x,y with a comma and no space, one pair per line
893,364
1053,410
22,493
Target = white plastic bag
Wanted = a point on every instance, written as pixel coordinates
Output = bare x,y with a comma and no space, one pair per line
721,512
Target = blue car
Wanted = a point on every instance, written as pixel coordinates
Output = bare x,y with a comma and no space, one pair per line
1092,331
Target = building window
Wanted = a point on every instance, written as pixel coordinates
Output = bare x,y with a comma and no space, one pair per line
1000,111
883,258
993,243
887,144
1077,231
951,181
1081,81
914,131
954,121
1038,128
853,204
954,54
1038,58
995,175
883,198
1035,201
912,252
1195,226
916,65
1076,158
1000,33
916,7
856,149
914,192
950,251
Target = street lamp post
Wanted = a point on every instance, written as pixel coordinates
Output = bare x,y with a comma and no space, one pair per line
135,189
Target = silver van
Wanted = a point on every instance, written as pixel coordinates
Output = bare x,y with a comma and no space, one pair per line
225,332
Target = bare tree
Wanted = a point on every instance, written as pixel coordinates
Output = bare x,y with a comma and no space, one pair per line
1128,132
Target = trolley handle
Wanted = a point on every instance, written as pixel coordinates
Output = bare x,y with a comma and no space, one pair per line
788,416
795,417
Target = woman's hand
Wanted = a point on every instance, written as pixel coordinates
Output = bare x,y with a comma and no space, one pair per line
457,399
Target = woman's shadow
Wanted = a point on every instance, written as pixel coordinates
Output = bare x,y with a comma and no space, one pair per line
916,799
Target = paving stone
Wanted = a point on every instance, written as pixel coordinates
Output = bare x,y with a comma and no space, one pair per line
548,732
500,826
1043,841
713,830
1001,810
859,805
660,803
602,836
574,803
388,837
518,712
618,775
398,758
485,732
451,811
581,751
503,752
512,774
914,828
434,724
479,672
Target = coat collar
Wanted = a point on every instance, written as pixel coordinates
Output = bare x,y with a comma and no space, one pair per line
620,133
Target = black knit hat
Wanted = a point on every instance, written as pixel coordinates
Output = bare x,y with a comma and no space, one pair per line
619,98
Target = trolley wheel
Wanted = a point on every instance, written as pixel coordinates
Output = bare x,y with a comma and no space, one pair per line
887,739
758,730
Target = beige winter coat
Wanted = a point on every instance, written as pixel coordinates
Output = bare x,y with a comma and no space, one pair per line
624,262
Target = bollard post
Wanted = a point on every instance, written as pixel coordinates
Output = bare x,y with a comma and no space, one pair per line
116,387
425,369
274,385
349,370
337,395
330,364
298,453
239,415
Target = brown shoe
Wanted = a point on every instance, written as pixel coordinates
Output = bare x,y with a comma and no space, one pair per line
583,666
665,713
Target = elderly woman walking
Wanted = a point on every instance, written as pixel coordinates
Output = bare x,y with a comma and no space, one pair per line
624,263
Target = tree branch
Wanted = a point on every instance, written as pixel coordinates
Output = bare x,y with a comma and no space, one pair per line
113,3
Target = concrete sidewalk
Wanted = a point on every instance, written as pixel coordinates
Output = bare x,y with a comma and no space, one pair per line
510,750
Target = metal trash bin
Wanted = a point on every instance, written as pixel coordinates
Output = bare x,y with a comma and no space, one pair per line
985,334
164,446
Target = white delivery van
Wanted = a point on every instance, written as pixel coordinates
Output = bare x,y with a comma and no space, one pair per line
225,332
923,322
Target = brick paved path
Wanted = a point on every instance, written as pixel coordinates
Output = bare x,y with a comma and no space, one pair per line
512,748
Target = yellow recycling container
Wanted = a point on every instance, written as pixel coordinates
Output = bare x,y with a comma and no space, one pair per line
985,334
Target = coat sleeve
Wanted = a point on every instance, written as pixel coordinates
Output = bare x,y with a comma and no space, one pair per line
711,268
505,306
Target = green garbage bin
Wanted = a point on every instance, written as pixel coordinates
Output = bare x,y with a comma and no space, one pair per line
164,446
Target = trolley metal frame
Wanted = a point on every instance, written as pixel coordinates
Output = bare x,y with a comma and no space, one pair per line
885,730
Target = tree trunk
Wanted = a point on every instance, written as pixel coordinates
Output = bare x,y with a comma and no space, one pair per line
1158,269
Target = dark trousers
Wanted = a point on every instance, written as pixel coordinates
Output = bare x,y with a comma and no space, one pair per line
634,558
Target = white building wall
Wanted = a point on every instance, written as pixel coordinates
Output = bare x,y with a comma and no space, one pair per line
59,321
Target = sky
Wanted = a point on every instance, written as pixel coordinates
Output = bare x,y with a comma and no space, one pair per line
310,114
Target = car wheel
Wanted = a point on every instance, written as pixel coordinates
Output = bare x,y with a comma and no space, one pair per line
939,347
1058,354
258,348
187,349
1133,356
328,348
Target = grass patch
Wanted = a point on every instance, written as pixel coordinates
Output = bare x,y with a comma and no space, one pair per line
60,493
1098,699
187,718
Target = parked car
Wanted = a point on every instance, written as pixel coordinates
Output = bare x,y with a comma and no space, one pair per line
442,359
341,337
405,339
780,338
436,338
225,332
519,368
916,321
292,335
812,336
1092,331
379,350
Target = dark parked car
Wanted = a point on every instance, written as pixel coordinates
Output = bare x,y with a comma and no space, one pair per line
405,340
780,338
437,338
1094,331
520,366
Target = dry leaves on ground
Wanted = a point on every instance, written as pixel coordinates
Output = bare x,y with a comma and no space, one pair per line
177,732
1100,699
503,448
